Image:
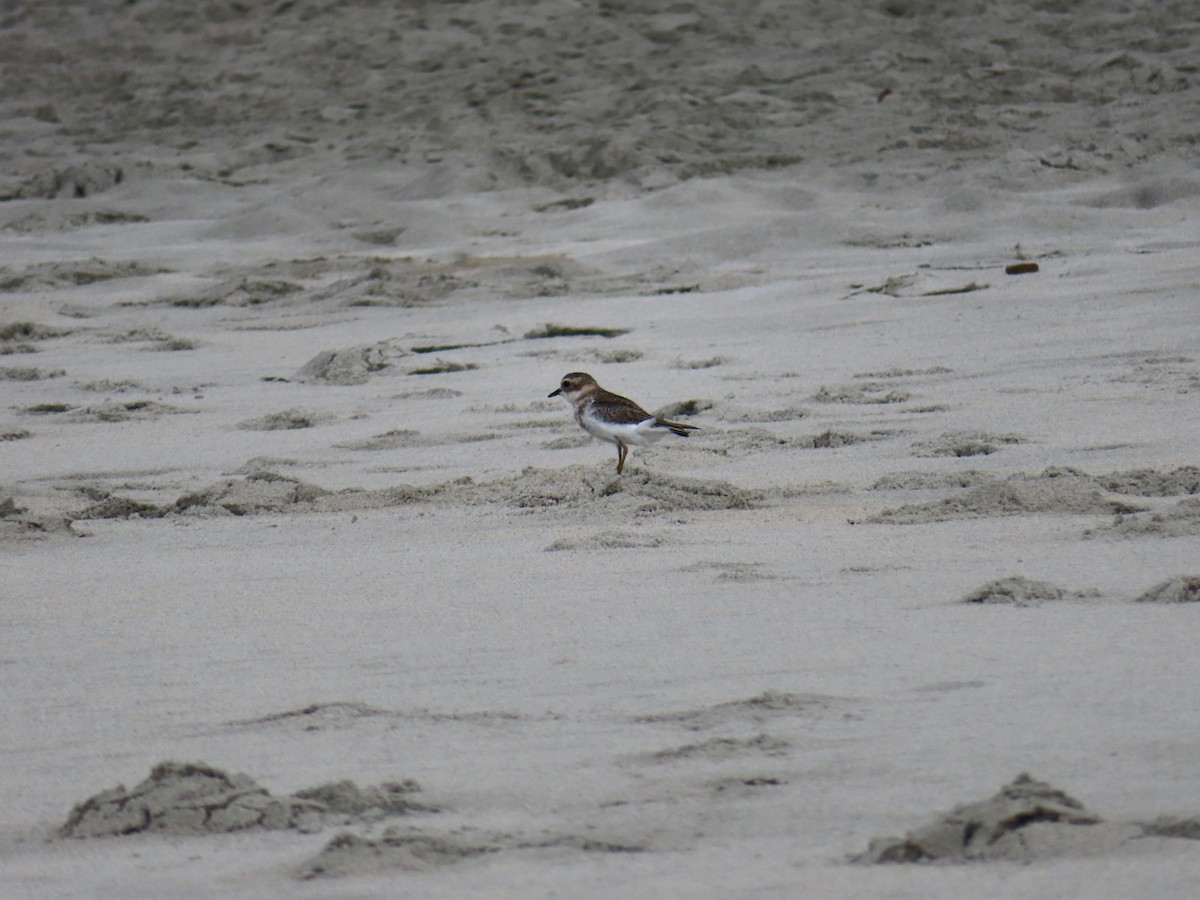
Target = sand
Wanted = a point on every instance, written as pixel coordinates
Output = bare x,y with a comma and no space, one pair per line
283,501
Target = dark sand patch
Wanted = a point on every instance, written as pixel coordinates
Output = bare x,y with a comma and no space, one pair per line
904,373
54,275
684,408
829,440
786,414
723,748
47,409
28,373
58,220
1063,491
113,507
389,440
239,292
194,798
709,363
744,785
1184,589
346,715
109,386
406,283
316,717
930,481
285,420
616,357
123,411
740,572
1187,827
553,330
440,393
173,345
1027,820
966,443
68,182
444,367
137,335
26,332
760,709
923,284
869,392
610,540
567,120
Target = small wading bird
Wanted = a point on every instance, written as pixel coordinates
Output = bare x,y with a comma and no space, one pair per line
613,418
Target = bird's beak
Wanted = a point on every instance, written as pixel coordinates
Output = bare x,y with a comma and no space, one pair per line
556,392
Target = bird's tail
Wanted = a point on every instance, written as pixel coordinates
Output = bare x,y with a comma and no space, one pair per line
676,428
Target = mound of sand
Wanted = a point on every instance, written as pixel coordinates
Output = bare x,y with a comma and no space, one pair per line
1055,490
19,520
966,443
1016,591
415,850
759,709
194,798
350,365
1174,827
930,481
285,420
535,489
1027,820
259,492
1153,483
346,798
1180,520
609,540
350,854
1184,589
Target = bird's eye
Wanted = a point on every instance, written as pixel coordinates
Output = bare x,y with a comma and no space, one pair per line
566,383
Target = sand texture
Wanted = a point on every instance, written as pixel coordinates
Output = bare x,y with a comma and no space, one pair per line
283,290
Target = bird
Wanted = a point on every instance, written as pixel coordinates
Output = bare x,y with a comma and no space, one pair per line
613,418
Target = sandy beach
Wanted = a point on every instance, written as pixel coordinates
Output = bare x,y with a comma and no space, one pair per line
308,590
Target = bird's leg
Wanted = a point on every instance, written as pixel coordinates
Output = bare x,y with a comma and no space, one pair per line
621,451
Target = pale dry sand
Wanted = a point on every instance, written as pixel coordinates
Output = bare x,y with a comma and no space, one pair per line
283,502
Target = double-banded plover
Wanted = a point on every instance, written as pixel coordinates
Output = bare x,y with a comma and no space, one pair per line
613,418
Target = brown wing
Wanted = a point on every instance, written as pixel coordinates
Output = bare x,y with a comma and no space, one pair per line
618,409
